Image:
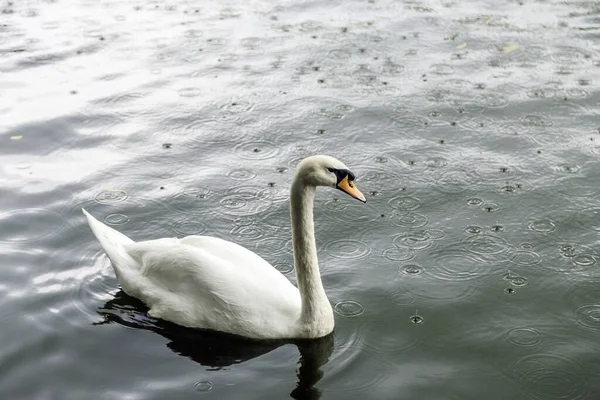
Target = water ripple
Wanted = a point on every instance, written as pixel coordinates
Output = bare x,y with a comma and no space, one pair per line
348,249
542,225
550,376
457,266
577,187
355,372
404,203
408,219
183,227
588,316
486,245
111,196
399,253
391,338
569,257
190,200
203,386
116,219
415,240
241,174
527,337
245,200
247,232
525,258
588,219
94,282
584,302
30,224
258,149
284,266
348,308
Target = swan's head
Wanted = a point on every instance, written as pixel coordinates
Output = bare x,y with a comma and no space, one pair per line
328,171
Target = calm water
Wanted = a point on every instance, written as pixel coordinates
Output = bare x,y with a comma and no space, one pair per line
472,272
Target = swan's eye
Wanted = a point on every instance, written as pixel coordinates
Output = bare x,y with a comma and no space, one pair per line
342,173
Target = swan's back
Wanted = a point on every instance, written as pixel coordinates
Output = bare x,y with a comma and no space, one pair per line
206,282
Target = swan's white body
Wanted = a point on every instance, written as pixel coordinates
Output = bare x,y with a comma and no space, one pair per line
210,283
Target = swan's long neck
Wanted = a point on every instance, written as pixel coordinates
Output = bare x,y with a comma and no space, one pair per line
316,310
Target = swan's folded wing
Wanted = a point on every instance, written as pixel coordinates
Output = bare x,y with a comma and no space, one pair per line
209,282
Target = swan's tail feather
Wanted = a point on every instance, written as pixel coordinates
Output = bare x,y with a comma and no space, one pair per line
112,242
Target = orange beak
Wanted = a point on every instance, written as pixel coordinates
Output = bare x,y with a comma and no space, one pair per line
349,187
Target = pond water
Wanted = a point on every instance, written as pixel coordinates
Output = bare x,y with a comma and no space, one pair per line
473,128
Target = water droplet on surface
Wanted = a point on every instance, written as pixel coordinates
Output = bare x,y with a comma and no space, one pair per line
509,291
198,193
518,281
489,207
416,319
412,269
231,110
436,162
233,202
257,149
475,201
348,308
567,250
567,168
474,230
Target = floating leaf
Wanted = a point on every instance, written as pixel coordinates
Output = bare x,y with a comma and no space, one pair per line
462,45
19,137
507,48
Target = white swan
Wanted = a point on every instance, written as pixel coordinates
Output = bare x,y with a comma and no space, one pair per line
210,283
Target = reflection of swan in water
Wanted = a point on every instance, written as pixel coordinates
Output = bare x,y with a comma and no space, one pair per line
220,350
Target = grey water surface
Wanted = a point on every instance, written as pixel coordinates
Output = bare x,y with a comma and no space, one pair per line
474,130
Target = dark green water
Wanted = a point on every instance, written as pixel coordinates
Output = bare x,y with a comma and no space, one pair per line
474,130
